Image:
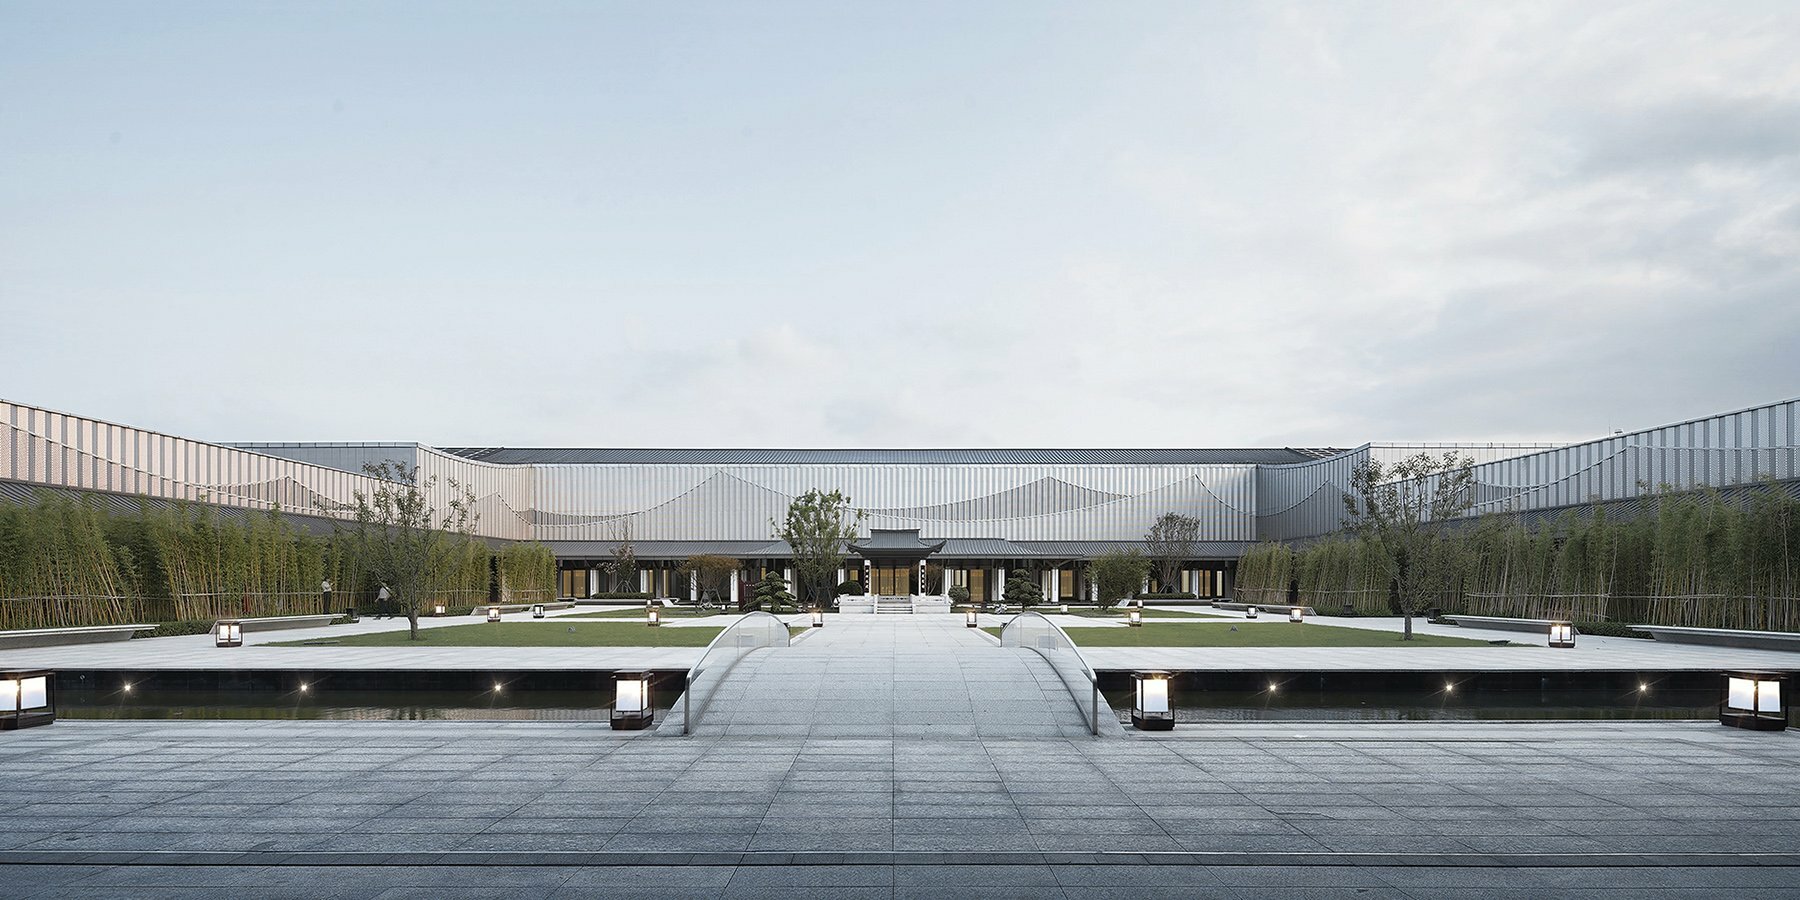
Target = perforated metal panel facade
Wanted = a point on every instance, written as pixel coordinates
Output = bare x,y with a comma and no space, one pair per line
1041,495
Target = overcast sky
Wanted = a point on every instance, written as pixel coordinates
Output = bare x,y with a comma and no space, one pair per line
966,224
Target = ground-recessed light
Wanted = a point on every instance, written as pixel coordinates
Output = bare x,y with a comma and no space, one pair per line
1643,688
127,687
1272,687
1449,688
304,687
496,689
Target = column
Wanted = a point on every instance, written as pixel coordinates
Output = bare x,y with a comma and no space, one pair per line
593,582
921,577
734,589
693,587
1000,584
1047,584
644,581
868,579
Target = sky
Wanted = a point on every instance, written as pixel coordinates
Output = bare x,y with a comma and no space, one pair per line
899,225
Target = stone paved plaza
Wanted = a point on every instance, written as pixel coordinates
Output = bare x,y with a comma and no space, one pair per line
424,809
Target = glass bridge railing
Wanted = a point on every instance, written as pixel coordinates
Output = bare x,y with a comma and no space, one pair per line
754,631
1032,631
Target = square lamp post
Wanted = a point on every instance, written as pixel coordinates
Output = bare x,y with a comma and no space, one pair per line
1297,614
632,710
1134,617
437,610
652,616
1250,611
1150,711
969,617
818,618
228,633
1562,634
1755,700
493,614
537,610
27,698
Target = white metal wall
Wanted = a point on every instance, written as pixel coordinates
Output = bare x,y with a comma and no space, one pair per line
1010,501
1304,499
42,446
1016,502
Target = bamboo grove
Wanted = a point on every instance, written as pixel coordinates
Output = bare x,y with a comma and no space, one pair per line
1692,558
68,562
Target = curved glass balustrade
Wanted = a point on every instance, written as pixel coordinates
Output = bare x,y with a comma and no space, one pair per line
1032,631
753,631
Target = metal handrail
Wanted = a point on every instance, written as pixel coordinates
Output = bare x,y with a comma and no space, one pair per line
719,640
1010,638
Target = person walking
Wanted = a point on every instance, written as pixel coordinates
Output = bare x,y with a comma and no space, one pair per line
382,598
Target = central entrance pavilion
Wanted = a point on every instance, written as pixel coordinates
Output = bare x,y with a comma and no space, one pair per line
894,561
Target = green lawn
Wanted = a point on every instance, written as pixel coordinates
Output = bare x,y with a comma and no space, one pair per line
1117,612
638,613
1262,634
529,634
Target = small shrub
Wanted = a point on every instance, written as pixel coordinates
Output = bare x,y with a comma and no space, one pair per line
958,594
850,589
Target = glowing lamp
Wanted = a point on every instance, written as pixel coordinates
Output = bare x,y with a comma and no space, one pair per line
1250,612
1296,614
818,618
632,710
1754,700
493,614
1151,711
969,618
27,699
652,616
1562,634
537,610
228,633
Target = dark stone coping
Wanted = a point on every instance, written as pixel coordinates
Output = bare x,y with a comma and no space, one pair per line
558,858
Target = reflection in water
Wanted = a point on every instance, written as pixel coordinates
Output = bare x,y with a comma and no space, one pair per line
451,706
1429,705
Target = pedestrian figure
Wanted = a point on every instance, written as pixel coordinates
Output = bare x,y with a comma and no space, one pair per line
382,598
325,588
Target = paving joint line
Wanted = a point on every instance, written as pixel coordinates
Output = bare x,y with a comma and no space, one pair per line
763,858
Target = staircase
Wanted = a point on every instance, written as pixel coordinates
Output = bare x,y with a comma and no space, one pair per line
893,605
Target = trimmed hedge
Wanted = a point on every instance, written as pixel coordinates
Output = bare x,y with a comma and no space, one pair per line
620,595
1610,629
1177,595
176,629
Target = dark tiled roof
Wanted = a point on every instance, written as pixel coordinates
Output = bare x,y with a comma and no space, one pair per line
752,456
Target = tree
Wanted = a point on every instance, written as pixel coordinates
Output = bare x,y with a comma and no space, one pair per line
1022,588
623,566
934,580
1393,506
402,540
1117,575
1170,543
712,573
772,591
817,529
